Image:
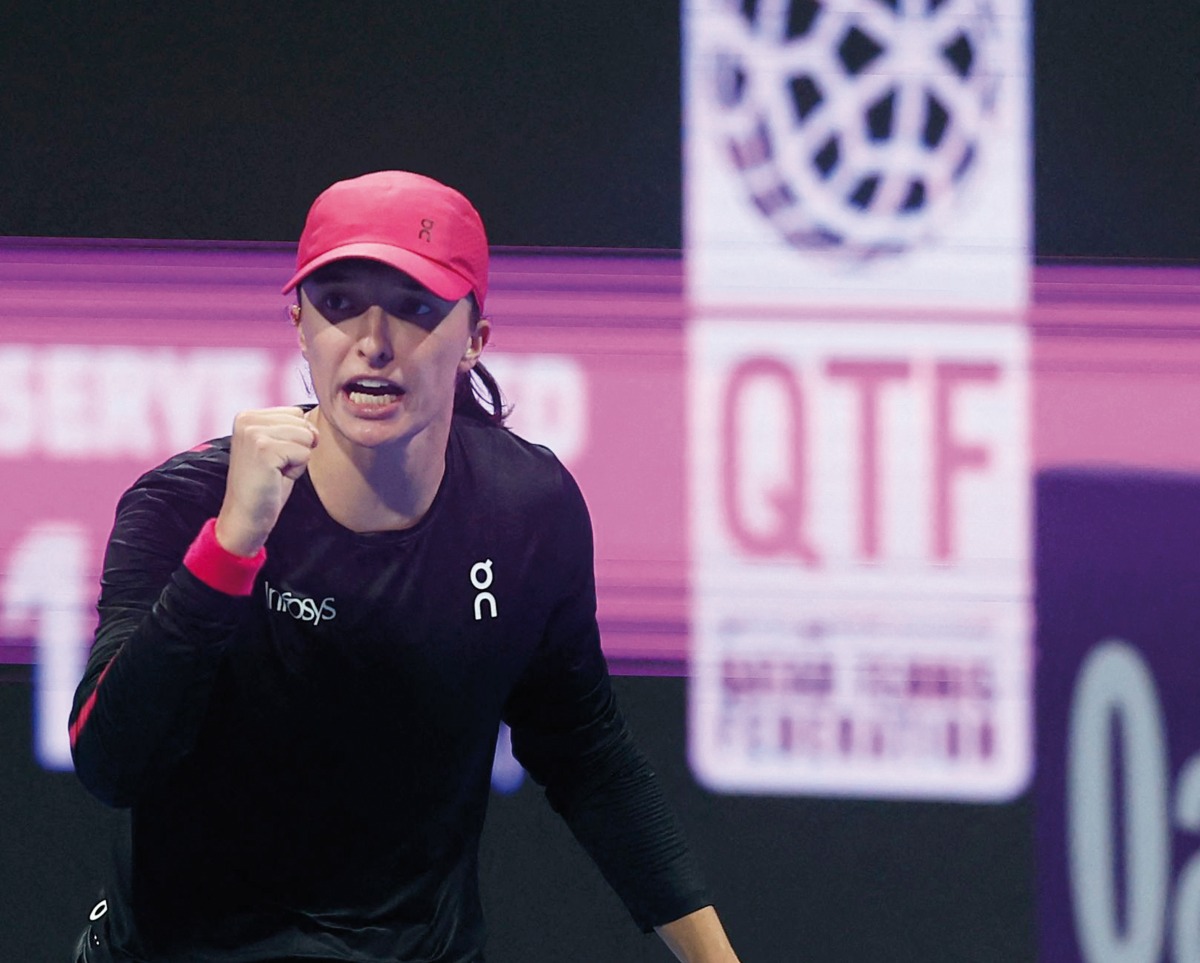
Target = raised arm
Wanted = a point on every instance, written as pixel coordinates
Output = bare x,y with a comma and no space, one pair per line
159,639
173,594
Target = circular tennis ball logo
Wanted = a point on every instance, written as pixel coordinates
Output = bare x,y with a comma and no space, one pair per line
854,126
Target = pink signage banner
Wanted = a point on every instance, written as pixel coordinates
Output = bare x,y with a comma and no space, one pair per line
114,355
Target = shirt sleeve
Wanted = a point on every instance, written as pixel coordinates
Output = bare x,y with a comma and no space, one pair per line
569,734
162,629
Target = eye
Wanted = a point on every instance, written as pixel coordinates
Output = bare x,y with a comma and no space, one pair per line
421,308
413,307
335,301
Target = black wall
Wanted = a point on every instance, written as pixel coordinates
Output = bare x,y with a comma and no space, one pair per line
561,120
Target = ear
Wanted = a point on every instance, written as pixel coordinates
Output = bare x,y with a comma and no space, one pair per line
301,340
475,344
294,312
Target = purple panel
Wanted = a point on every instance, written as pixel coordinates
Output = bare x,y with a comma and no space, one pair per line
1118,583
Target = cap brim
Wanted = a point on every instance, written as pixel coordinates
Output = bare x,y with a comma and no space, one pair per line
441,280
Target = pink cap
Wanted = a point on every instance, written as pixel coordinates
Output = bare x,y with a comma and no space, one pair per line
411,222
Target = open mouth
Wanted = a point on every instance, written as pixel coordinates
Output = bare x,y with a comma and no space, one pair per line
372,391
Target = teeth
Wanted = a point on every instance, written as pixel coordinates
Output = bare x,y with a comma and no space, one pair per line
362,398
374,383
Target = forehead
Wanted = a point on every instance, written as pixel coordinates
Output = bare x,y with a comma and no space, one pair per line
357,270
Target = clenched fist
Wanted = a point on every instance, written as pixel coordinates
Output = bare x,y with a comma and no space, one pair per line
269,451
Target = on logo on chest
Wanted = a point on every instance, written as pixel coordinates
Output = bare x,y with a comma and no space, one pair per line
481,580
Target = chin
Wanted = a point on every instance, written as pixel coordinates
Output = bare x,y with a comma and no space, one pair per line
376,435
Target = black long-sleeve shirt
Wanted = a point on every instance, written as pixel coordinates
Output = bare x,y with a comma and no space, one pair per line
308,766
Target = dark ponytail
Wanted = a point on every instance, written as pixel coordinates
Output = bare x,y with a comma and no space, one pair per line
476,395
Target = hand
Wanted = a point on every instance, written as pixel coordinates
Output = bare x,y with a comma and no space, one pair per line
270,449
698,937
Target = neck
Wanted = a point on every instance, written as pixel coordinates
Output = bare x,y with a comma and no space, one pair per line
378,489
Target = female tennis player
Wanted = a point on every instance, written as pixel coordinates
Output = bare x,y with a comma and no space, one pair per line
311,630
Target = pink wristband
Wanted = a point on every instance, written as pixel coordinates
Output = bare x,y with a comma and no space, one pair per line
219,568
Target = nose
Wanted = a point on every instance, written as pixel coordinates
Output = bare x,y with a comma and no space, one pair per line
375,342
